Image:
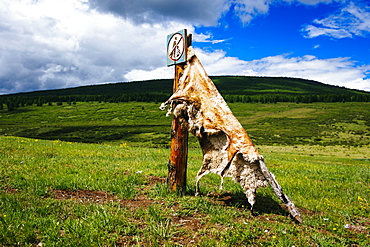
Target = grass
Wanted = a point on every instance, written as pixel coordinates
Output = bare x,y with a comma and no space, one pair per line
61,193
93,174
142,124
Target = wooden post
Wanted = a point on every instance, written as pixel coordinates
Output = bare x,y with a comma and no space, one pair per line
177,165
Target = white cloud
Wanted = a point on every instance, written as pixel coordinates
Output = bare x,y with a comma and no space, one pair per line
205,12
56,44
246,10
158,73
352,21
207,38
48,44
335,71
216,61
314,2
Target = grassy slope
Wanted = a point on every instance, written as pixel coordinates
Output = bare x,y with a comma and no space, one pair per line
143,124
267,85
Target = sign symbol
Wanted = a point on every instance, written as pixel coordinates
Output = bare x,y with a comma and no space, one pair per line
176,46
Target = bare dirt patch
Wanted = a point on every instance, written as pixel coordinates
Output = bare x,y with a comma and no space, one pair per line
85,196
96,196
10,190
157,180
188,222
100,197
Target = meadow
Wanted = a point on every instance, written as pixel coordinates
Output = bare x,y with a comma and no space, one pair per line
94,174
143,124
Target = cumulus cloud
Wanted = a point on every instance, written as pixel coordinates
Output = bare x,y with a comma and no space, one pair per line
247,10
334,71
158,73
47,44
352,20
314,2
207,38
58,44
205,12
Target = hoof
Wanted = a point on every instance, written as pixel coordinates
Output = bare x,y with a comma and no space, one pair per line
252,212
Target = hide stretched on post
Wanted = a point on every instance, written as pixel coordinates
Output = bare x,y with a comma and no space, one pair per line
227,149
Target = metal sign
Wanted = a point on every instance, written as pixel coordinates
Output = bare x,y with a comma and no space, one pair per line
176,47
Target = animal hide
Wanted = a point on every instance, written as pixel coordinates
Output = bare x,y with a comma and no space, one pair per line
227,149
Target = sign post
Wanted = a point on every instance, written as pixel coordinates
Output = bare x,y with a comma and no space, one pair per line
177,44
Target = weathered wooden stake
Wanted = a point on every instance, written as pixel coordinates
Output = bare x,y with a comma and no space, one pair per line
177,164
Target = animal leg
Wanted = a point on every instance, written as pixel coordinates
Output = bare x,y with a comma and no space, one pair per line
251,195
222,183
200,174
279,192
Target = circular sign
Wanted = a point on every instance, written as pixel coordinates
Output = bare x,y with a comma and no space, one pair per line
176,47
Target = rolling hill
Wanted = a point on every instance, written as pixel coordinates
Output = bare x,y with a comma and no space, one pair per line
233,85
95,119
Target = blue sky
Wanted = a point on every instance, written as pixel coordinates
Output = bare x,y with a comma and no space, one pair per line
50,44
282,31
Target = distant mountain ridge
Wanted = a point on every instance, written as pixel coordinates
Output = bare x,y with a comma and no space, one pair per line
245,85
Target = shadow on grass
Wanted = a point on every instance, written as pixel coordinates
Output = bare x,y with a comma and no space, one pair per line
98,134
15,111
265,204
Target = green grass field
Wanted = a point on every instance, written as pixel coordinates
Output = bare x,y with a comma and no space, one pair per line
143,124
94,174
